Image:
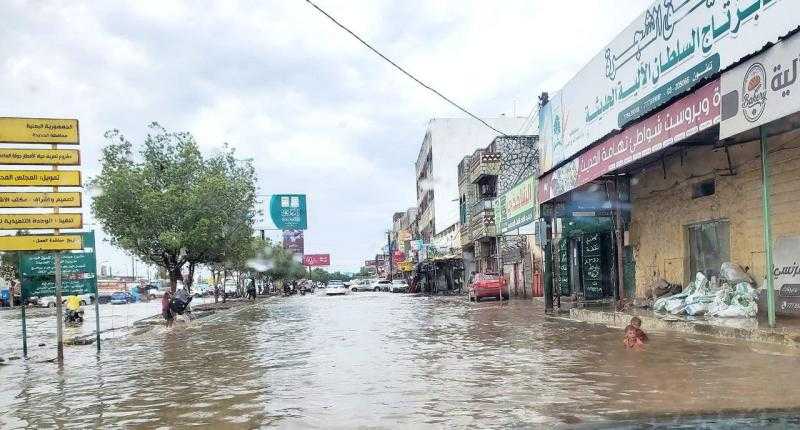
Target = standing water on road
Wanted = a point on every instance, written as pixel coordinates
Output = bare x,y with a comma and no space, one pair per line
385,360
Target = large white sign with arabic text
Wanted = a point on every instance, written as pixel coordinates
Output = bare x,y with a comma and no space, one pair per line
762,89
666,51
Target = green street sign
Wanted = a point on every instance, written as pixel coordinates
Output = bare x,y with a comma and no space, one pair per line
43,264
41,287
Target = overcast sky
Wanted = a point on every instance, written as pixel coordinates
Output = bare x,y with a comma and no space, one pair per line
317,112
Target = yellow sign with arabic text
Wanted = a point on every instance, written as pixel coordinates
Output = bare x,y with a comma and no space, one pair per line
40,200
41,243
406,266
60,157
39,130
40,221
40,178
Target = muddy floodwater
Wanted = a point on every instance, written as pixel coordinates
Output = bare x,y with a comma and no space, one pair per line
386,360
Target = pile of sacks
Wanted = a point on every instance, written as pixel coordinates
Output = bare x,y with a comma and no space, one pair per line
731,296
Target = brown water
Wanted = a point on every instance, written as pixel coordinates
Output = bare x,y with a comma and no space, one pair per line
387,360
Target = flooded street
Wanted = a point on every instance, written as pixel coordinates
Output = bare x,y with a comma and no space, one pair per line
389,360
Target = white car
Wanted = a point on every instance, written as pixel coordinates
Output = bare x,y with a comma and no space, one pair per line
381,285
50,301
398,286
336,288
360,285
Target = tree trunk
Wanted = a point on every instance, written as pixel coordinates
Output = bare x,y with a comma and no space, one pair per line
224,279
190,281
174,276
215,280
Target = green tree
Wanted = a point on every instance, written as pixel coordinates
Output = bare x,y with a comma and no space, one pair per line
161,203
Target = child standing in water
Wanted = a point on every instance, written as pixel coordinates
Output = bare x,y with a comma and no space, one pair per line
635,337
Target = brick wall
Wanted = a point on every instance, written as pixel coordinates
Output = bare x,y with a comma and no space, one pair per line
662,207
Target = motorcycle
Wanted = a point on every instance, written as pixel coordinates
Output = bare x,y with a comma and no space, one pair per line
73,318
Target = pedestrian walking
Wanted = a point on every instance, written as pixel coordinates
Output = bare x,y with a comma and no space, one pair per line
166,311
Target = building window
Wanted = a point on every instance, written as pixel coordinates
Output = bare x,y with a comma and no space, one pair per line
709,246
704,188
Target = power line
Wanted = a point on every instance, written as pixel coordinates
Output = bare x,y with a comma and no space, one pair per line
428,87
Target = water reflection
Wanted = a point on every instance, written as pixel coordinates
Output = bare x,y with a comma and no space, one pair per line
386,360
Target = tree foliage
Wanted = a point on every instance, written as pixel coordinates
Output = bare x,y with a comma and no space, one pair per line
169,206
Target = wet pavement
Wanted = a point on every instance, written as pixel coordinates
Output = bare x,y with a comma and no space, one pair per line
386,360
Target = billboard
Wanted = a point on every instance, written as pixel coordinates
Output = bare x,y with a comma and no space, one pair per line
666,51
281,212
293,241
314,260
761,89
680,120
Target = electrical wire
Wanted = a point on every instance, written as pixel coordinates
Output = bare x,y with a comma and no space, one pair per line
424,85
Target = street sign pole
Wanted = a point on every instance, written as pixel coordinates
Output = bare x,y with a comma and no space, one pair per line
59,310
97,316
24,329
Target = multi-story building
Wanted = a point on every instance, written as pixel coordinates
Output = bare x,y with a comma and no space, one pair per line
483,176
448,140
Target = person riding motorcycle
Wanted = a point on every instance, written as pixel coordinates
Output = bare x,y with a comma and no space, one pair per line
73,313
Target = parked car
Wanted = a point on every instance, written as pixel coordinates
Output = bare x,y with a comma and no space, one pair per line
488,285
202,290
398,286
360,285
381,285
120,298
336,288
50,301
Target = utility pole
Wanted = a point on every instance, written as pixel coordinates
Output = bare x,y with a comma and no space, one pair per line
391,254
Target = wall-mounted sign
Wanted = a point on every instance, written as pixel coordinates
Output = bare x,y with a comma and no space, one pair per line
517,207
60,157
40,200
680,120
40,178
40,221
762,89
63,242
666,51
315,260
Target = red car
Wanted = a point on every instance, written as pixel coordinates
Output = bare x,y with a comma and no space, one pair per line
488,285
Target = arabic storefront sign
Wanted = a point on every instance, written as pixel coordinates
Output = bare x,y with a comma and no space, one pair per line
40,178
316,260
405,266
40,200
39,130
666,51
40,221
786,273
61,157
64,242
687,116
518,206
762,89
293,241
43,264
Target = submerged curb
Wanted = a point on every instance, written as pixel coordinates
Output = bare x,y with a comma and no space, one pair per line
775,336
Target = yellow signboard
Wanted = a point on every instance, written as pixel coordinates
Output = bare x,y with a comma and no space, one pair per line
38,221
41,243
40,200
61,157
40,178
406,266
39,130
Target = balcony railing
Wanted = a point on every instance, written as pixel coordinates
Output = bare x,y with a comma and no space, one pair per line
483,165
482,223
